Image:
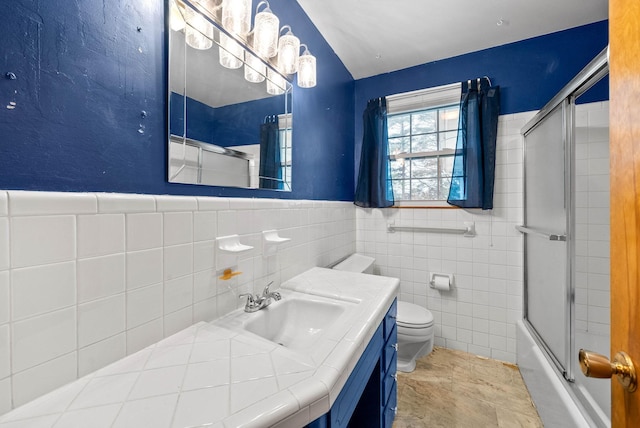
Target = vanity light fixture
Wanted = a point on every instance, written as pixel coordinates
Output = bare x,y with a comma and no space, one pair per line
176,17
306,69
231,53
275,83
254,68
265,32
268,44
236,16
198,31
288,51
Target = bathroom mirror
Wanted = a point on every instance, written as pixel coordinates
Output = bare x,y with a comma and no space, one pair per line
223,129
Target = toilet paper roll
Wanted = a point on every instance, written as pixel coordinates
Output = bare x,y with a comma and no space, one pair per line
441,282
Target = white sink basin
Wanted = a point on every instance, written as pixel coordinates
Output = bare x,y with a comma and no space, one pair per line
297,321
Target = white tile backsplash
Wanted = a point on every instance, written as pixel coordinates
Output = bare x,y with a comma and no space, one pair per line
86,279
40,289
100,234
40,240
39,339
4,243
100,277
144,231
100,319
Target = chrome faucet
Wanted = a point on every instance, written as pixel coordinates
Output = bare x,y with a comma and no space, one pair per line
257,302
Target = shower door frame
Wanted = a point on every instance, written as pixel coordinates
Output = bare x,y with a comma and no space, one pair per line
565,99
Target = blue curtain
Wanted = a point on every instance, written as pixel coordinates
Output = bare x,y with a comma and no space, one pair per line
270,168
373,189
475,157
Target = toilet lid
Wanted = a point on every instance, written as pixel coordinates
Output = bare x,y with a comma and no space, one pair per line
411,315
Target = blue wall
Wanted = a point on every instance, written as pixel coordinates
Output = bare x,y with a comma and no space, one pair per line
86,71
529,72
232,125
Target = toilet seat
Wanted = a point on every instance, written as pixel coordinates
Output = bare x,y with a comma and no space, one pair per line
412,316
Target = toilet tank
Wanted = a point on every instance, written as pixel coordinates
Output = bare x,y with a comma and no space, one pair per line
356,263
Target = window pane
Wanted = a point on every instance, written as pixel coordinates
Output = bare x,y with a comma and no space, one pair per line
423,122
446,166
401,190
425,167
398,125
449,118
399,145
448,140
445,183
424,189
424,143
399,169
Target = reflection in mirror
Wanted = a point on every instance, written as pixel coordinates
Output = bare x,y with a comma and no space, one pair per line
228,126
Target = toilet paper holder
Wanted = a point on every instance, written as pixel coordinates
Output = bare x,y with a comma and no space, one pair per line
440,281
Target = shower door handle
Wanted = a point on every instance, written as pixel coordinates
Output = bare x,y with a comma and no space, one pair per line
599,366
541,234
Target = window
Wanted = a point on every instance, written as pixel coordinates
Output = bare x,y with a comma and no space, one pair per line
422,130
284,124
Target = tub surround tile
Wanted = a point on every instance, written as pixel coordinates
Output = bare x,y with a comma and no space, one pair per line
24,203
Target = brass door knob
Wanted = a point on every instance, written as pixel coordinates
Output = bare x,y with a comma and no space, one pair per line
599,366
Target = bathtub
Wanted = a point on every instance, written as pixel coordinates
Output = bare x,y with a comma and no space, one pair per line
556,403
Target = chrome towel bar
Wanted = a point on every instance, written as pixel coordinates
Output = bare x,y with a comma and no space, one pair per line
468,231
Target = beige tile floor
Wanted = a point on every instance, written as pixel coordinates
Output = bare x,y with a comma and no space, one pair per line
455,389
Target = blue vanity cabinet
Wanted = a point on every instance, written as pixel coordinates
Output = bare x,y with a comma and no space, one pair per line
369,397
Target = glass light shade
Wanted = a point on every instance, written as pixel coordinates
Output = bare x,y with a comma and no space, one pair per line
198,31
254,69
265,33
275,83
176,21
307,70
231,52
236,16
288,52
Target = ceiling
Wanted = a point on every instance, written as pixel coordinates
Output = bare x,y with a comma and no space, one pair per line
373,36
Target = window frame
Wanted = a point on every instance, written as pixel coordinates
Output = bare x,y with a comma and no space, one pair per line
439,97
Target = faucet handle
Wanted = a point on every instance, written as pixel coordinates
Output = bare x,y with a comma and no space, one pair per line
249,296
265,292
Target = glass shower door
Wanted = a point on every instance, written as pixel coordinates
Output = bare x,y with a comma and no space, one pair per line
545,230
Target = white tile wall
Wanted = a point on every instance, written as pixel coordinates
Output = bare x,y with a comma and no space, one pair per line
86,279
592,219
479,314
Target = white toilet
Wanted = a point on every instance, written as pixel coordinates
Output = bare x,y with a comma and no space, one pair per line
415,323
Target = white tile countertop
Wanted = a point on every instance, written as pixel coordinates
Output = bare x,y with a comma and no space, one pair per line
218,375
